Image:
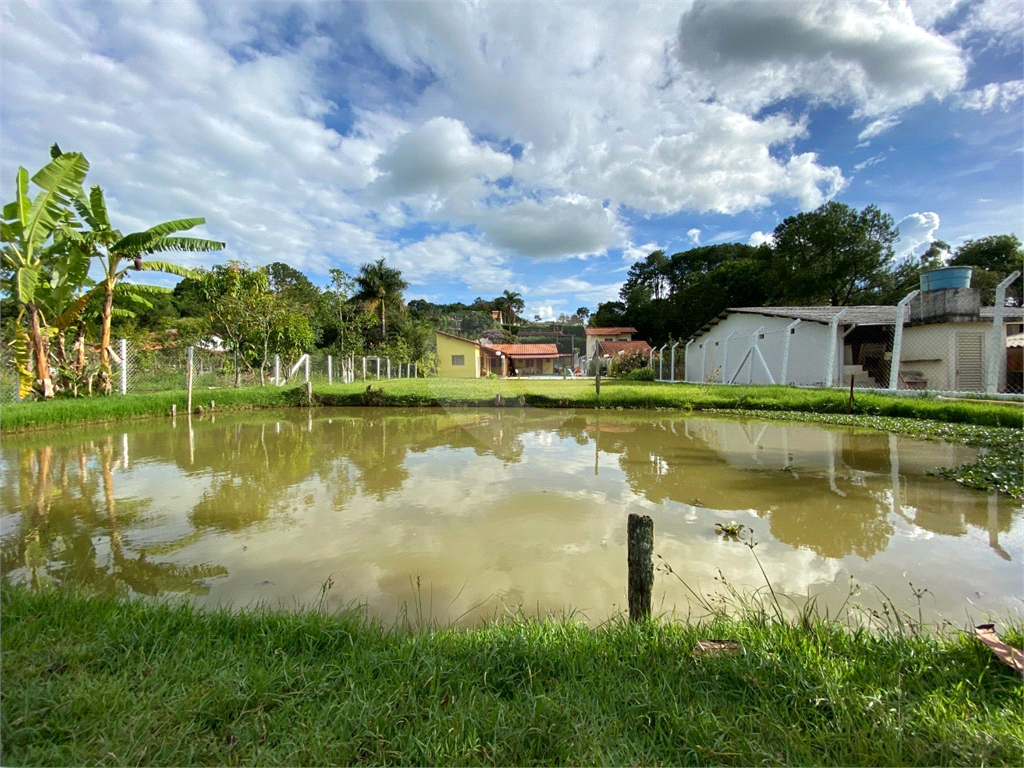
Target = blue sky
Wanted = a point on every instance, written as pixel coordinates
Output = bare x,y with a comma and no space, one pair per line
540,147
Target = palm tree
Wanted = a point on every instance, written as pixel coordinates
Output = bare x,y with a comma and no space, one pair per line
27,226
379,286
514,301
118,253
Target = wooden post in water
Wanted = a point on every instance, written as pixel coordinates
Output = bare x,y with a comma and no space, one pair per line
640,557
213,406
174,411
189,379
597,379
309,394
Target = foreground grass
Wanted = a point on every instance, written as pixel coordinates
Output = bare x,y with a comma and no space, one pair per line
97,681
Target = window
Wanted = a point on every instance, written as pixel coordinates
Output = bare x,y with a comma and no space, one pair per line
458,359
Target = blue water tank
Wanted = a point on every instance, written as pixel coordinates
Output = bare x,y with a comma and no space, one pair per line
947,277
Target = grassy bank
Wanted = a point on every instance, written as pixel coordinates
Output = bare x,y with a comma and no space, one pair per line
96,681
536,393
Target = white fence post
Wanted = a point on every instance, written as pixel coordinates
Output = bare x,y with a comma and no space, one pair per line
673,372
784,377
389,367
833,345
124,367
661,362
725,356
307,369
330,379
897,342
277,370
686,360
997,348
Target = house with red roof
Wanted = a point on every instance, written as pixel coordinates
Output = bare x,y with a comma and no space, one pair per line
465,358
609,342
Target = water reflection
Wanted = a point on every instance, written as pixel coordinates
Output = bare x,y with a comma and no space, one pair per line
488,508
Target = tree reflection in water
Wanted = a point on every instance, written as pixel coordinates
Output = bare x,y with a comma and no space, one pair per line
70,519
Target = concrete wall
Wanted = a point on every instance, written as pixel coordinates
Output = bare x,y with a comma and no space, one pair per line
931,350
724,352
448,347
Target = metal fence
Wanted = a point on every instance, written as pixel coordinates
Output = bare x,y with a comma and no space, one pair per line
857,346
137,370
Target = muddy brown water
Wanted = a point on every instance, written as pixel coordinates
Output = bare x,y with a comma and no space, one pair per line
460,515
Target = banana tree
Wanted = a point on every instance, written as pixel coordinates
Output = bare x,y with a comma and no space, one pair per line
119,253
27,226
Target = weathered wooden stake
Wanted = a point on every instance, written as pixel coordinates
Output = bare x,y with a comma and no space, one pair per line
640,557
849,405
213,406
189,380
309,394
597,379
174,411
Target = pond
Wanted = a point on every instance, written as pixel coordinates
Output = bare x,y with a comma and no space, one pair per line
465,514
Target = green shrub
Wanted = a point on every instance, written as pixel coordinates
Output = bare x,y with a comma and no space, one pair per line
627,362
640,374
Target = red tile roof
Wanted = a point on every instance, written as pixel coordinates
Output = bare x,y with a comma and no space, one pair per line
523,351
607,331
615,347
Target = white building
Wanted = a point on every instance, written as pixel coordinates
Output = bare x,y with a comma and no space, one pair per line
826,346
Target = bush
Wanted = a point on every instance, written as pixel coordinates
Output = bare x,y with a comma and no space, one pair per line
627,362
640,374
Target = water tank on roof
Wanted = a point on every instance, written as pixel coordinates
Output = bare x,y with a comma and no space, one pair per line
947,277
946,297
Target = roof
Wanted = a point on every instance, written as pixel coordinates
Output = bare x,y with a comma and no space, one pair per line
607,331
1010,314
457,338
615,347
526,351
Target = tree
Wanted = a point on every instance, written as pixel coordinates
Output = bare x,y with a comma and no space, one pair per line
380,286
993,259
610,314
234,296
27,226
583,313
118,253
834,253
513,301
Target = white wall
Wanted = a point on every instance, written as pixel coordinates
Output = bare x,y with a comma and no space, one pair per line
808,352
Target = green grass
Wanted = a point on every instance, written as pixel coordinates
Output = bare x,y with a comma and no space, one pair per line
99,681
537,393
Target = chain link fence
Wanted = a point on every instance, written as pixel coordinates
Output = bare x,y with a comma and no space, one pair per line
975,353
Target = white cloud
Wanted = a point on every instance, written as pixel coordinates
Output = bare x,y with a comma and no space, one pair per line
693,235
993,96
760,238
877,127
437,156
634,253
561,226
916,230
870,55
874,160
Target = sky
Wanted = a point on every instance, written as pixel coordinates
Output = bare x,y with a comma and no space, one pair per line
538,147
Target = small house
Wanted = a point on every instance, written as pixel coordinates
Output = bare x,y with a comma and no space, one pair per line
464,358
598,335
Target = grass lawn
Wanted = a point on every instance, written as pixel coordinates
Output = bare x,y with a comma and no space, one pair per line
101,681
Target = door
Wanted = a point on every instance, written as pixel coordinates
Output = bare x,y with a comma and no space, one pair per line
970,349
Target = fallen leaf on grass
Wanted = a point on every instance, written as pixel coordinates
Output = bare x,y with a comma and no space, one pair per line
1010,656
716,648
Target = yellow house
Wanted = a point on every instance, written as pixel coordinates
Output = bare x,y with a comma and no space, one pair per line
457,358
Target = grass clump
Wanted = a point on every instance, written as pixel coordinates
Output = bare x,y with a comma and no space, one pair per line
98,681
